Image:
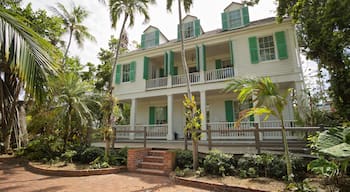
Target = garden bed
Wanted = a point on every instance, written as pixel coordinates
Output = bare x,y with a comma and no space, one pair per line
71,170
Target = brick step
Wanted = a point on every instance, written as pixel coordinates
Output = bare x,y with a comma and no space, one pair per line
155,159
152,165
150,171
156,153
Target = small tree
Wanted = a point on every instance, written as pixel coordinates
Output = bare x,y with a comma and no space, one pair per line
268,101
193,126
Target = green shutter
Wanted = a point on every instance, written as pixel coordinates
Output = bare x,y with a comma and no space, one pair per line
132,71
229,111
197,28
156,40
253,49
166,60
197,59
224,21
232,56
175,71
218,64
245,14
118,74
171,63
145,67
152,114
204,55
143,41
166,114
178,32
281,45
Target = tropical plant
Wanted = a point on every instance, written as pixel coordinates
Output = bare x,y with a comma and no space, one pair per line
72,22
25,62
186,4
268,101
73,99
193,126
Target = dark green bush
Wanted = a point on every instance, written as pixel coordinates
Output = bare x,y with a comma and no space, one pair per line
183,159
218,163
118,157
90,154
43,149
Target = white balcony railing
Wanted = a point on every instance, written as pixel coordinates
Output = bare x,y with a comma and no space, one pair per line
218,74
223,130
179,80
156,83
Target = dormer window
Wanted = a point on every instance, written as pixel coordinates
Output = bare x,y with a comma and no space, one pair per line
235,18
191,29
150,39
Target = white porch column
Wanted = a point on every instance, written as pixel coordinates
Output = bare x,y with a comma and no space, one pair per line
170,135
204,112
133,118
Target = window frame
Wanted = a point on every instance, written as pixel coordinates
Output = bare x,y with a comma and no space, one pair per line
267,57
150,39
126,75
160,115
231,21
191,31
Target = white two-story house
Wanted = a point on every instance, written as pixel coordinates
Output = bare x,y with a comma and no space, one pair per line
152,78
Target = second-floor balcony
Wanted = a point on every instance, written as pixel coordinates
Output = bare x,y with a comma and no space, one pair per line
195,78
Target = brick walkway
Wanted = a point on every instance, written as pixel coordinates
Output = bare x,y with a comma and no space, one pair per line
15,178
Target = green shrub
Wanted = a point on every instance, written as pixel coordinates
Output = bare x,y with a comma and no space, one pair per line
68,156
43,149
99,163
183,159
118,157
90,154
218,163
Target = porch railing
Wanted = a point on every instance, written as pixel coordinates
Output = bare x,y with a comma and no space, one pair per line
277,125
156,83
153,131
223,130
218,74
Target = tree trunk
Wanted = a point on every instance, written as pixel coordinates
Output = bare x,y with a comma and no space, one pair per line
195,154
286,153
23,124
183,53
68,45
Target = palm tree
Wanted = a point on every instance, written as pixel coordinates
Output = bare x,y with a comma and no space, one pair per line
72,21
128,9
265,94
25,62
186,4
74,99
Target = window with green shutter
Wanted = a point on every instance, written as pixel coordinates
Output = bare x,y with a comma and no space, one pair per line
197,58
232,56
197,28
229,111
132,71
191,29
151,115
118,74
253,49
157,34
245,14
143,41
150,39
218,64
235,18
145,67
204,57
281,45
171,62
224,21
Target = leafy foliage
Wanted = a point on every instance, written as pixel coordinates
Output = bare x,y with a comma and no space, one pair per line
183,159
91,153
218,163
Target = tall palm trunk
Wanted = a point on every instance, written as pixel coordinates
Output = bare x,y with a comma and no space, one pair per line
111,88
286,152
67,48
183,54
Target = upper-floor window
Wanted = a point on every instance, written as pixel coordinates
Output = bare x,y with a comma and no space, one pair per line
235,18
126,73
269,47
188,29
191,29
266,48
150,39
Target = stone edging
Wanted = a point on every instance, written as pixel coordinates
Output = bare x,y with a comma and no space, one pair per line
74,173
211,186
